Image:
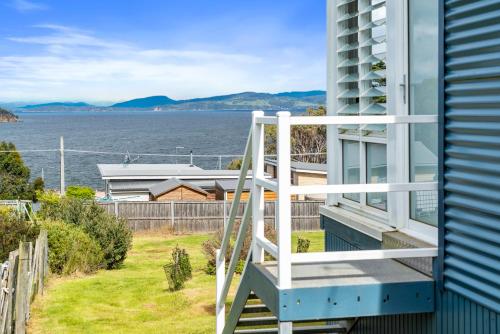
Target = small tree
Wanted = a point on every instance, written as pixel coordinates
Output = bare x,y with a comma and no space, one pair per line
15,175
178,270
210,247
303,245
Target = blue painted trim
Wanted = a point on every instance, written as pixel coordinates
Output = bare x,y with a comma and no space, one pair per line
439,273
263,287
336,302
340,302
352,236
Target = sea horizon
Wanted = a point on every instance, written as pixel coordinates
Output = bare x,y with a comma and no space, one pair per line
219,132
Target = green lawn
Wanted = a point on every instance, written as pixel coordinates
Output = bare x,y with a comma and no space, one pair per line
135,298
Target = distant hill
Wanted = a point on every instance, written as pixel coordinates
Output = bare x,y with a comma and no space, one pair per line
240,101
294,101
7,116
58,106
147,102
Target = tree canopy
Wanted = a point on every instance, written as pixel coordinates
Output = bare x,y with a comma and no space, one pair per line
15,175
308,141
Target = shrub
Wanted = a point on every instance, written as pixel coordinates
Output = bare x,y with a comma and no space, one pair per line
71,250
303,245
80,192
13,229
111,233
179,270
210,247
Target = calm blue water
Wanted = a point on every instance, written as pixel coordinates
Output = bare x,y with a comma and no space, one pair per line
145,132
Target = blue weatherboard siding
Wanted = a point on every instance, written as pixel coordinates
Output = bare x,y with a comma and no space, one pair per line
472,151
454,313
469,302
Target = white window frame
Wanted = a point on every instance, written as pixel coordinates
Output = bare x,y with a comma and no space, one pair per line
398,140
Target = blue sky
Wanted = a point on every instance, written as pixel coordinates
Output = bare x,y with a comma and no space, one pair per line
111,50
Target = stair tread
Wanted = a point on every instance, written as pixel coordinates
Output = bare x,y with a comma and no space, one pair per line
255,305
257,321
255,308
271,317
298,330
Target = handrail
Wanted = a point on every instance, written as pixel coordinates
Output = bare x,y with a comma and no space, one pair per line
245,165
254,210
362,255
238,246
284,121
352,120
224,279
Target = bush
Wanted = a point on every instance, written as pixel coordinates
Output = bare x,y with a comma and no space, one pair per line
80,192
111,233
303,245
14,229
179,270
72,250
210,247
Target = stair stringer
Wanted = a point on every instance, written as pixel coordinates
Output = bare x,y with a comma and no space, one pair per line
238,305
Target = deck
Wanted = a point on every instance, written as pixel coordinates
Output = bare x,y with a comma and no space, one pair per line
344,290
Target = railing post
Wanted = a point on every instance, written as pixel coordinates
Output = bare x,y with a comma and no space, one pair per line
284,202
257,191
220,308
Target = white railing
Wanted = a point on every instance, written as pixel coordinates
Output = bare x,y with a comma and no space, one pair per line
254,210
224,279
282,251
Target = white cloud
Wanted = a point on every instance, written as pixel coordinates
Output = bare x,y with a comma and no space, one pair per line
77,65
27,6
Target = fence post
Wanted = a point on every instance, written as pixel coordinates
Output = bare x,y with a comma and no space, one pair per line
42,271
22,288
225,214
116,209
172,214
11,287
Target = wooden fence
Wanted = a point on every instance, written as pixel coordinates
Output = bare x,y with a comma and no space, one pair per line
21,279
204,217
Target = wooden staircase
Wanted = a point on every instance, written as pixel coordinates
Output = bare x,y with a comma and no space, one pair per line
256,318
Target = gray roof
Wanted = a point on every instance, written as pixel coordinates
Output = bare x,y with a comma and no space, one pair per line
113,170
163,172
230,185
169,185
303,166
132,185
117,186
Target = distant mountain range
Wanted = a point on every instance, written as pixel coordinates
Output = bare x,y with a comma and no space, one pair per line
243,101
58,105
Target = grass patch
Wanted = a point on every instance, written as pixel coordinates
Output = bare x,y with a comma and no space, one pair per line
135,298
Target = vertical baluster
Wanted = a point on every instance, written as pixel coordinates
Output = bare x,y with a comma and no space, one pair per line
257,191
284,202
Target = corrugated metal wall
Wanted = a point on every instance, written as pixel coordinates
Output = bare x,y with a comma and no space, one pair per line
472,150
454,313
470,303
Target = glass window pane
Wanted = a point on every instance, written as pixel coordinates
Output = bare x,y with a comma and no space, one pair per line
376,172
350,160
423,40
